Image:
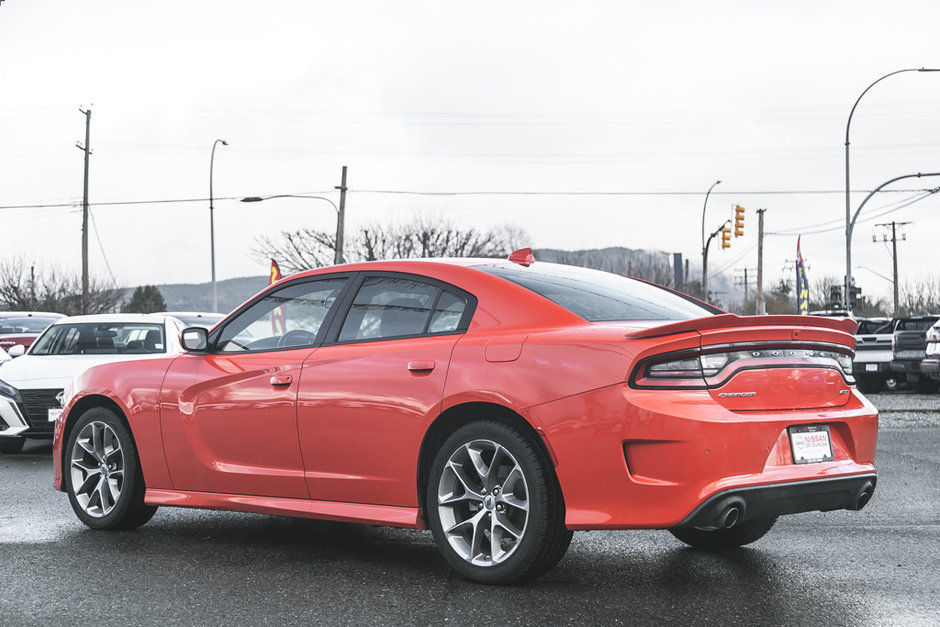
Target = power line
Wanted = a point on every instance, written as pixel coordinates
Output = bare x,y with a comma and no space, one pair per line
76,203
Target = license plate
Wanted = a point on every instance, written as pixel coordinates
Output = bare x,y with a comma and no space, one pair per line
810,444
54,414
871,367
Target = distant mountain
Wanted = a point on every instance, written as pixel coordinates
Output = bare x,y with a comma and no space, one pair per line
653,265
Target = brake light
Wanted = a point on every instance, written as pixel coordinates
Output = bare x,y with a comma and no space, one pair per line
712,367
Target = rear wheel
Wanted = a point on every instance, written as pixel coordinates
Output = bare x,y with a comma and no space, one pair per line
739,535
102,475
10,446
494,505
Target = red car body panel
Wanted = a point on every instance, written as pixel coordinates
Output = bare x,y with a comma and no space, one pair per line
336,431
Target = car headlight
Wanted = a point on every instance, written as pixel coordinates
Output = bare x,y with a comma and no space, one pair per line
9,391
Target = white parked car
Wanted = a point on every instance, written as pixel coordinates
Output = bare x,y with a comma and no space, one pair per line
930,366
196,318
31,386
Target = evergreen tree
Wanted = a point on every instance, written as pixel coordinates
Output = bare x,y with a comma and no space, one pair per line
146,299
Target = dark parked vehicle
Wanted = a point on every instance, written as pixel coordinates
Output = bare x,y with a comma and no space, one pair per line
910,348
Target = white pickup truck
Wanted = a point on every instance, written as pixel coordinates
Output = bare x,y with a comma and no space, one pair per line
873,354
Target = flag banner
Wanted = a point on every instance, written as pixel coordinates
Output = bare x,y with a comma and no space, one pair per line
802,286
277,316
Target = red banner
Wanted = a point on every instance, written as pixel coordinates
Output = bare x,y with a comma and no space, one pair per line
277,316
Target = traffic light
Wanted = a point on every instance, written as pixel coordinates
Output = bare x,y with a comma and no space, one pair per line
854,293
738,220
726,237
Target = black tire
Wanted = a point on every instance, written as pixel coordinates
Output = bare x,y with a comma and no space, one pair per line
11,446
100,447
512,490
712,539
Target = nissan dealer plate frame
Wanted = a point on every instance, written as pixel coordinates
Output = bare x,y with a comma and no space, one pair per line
810,444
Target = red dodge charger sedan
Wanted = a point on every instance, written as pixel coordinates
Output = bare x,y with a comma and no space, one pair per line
502,404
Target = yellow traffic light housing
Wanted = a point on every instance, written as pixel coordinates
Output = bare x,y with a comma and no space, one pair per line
726,237
738,220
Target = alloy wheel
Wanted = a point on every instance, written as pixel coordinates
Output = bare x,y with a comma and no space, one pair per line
97,469
483,502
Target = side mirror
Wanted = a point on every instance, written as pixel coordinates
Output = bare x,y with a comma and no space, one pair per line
16,350
195,339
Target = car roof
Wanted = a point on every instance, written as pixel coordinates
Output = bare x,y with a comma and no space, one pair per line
115,317
30,314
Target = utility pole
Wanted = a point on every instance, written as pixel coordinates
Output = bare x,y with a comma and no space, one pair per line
87,150
894,252
760,262
341,220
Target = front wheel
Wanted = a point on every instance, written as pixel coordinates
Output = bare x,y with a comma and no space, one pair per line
739,535
102,475
494,505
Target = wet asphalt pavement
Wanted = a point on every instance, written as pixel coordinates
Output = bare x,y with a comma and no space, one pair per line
880,566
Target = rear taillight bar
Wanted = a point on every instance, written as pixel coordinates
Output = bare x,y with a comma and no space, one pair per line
712,366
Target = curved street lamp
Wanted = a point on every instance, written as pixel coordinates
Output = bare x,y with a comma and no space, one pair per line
338,254
850,228
215,292
705,245
848,204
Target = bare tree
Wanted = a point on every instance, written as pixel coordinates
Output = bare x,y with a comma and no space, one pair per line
27,287
920,296
424,237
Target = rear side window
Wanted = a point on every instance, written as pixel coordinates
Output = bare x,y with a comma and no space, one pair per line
600,296
387,307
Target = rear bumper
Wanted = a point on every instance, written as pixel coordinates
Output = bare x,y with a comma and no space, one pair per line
930,367
768,501
655,460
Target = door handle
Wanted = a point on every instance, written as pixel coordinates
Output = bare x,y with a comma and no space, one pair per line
426,365
281,380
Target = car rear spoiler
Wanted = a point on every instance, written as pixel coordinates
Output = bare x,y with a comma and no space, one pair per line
846,325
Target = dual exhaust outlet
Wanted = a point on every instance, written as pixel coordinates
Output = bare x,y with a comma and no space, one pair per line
731,511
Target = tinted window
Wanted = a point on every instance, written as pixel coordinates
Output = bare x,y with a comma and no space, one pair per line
600,296
916,325
90,338
448,313
873,327
285,318
389,307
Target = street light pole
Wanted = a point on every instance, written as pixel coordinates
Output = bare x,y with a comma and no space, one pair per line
850,224
215,292
848,203
705,254
338,252
705,245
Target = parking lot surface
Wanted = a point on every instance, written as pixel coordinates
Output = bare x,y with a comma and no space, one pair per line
880,566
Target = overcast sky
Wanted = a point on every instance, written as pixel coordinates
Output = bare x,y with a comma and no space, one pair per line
648,102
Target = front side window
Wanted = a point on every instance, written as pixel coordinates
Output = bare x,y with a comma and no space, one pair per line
90,338
289,317
387,307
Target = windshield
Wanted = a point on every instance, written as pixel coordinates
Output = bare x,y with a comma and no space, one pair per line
601,296
101,338
25,324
